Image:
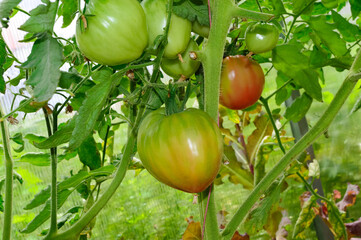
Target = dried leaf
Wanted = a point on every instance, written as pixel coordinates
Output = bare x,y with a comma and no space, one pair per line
221,219
238,236
354,228
349,198
307,214
193,231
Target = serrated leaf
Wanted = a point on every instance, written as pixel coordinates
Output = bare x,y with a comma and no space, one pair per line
263,128
306,216
44,214
89,154
41,19
68,10
69,183
61,136
257,218
328,36
349,31
92,106
192,11
6,7
46,59
278,6
36,159
299,108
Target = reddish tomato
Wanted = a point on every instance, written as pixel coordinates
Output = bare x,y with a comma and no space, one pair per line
242,82
183,150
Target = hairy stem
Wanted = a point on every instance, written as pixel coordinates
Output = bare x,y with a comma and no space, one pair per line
319,128
8,179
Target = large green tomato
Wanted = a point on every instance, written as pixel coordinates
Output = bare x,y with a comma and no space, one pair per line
183,150
176,69
179,29
261,37
242,82
116,31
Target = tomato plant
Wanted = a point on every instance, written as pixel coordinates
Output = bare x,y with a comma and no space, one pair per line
261,37
242,82
105,34
179,30
176,68
201,30
183,150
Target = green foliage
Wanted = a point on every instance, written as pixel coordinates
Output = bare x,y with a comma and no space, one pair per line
45,59
6,8
192,10
299,108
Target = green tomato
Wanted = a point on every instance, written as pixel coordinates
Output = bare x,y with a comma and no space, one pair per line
175,68
201,30
261,37
115,32
179,29
183,150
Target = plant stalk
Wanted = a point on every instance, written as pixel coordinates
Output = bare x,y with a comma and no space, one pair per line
319,128
9,172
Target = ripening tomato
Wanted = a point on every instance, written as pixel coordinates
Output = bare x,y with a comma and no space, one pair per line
179,29
242,82
175,68
115,32
261,37
183,150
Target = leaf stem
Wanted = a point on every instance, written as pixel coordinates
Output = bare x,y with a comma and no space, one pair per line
319,128
279,89
9,172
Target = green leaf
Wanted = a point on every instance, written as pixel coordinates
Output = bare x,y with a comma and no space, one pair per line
92,106
301,6
278,7
34,138
44,214
355,8
37,159
67,79
306,217
89,154
349,31
69,183
257,218
192,11
308,79
3,54
18,138
283,94
41,19
1,203
61,136
46,58
6,7
328,36
330,3
299,108
289,59
357,105
68,10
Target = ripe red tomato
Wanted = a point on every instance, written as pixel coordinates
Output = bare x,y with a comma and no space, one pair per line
116,31
183,150
261,37
242,82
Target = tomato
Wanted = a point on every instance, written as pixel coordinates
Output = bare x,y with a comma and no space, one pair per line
179,29
116,31
201,30
183,150
242,82
261,37
175,68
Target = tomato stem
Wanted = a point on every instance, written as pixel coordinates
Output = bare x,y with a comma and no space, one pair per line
8,207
